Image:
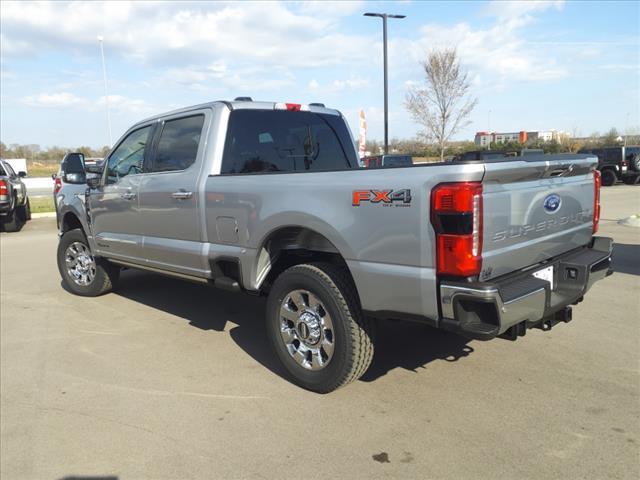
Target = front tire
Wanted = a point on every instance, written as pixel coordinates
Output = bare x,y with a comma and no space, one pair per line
316,327
81,272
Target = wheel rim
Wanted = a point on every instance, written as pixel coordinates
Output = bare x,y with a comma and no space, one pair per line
81,267
306,329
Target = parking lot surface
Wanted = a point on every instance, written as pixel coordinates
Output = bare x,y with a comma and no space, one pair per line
165,379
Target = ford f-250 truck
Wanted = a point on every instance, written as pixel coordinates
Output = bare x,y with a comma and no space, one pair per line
268,198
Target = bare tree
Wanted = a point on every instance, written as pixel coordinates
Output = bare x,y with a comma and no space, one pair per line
442,106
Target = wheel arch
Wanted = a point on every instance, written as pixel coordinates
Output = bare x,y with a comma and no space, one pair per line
70,221
290,245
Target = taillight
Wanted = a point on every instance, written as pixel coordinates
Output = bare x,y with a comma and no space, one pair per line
4,190
456,216
57,186
597,182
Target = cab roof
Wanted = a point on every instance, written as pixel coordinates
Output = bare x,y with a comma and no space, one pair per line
241,105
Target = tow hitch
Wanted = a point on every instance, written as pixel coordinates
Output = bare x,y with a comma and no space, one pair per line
564,315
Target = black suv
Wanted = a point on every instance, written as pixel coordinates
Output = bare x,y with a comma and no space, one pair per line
14,202
617,163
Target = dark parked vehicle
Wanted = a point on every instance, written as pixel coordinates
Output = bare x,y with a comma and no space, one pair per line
14,202
617,163
477,155
376,161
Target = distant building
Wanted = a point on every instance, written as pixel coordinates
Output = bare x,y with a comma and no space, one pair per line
485,139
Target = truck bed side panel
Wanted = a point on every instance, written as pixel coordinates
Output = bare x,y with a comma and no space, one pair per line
389,247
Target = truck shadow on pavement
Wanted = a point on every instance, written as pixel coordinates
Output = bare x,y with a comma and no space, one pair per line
626,258
404,345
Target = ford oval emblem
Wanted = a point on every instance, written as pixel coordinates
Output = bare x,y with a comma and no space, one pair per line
552,203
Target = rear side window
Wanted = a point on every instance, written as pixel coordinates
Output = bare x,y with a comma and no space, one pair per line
613,155
284,141
2,172
178,144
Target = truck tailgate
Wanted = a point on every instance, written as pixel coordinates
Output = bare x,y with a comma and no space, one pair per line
535,209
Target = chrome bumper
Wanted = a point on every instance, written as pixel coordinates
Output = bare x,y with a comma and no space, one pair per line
486,310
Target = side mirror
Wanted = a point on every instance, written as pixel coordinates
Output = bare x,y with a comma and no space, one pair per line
53,176
76,178
22,174
93,182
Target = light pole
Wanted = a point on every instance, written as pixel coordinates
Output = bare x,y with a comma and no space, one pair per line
489,128
626,129
106,93
384,17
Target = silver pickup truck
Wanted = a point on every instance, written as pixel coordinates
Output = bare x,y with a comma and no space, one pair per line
268,199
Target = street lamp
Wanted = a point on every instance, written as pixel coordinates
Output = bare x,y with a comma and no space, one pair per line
106,93
384,17
489,128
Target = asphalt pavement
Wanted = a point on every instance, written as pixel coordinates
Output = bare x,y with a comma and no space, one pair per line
171,380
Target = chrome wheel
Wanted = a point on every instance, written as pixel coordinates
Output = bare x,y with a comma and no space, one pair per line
80,264
307,329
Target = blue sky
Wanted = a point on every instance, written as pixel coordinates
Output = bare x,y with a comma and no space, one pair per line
572,66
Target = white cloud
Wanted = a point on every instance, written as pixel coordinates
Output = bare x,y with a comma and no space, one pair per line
178,34
499,52
55,100
65,100
352,83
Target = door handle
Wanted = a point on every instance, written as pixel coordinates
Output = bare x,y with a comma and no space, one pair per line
128,195
182,195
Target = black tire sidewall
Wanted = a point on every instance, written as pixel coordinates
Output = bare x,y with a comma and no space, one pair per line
320,380
609,178
97,286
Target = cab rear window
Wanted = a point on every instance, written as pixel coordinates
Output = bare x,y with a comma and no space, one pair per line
284,141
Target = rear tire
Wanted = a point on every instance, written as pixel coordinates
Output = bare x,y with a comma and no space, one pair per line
631,180
609,178
82,273
12,221
335,345
24,212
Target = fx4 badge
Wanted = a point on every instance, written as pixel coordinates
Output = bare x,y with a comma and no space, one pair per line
388,198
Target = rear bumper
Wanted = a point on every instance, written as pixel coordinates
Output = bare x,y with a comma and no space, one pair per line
509,305
5,207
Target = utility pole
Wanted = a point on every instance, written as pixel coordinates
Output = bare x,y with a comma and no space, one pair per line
106,93
384,17
489,128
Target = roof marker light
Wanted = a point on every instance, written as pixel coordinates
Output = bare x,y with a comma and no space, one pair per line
291,107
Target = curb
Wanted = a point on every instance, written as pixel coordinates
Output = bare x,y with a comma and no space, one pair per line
43,215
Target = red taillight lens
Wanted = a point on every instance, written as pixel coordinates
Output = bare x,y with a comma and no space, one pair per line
4,190
597,182
456,216
57,186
